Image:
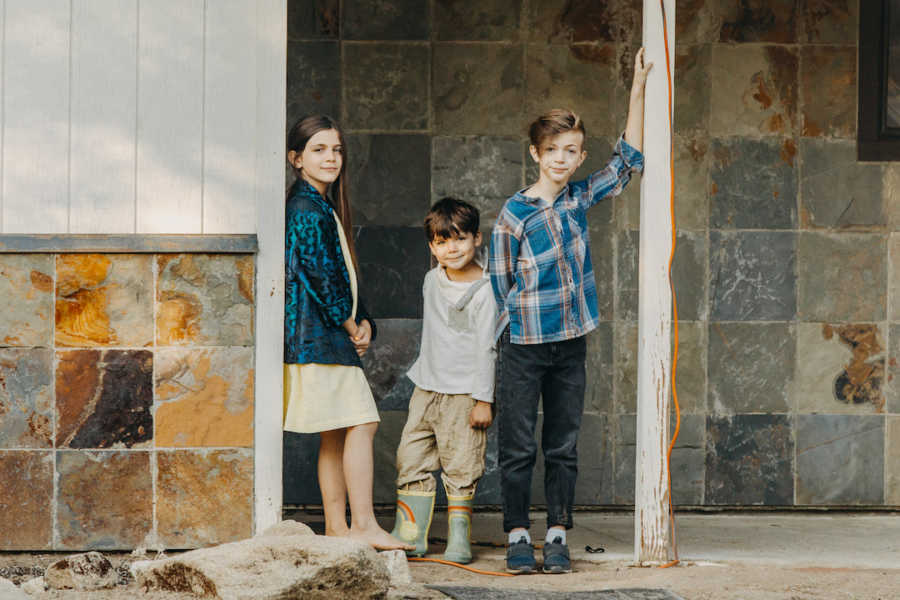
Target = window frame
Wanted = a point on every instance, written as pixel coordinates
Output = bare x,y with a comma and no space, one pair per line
874,140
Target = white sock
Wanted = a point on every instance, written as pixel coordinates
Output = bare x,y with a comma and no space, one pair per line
554,533
515,536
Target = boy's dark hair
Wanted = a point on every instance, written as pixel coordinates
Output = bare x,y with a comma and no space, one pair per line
554,122
449,217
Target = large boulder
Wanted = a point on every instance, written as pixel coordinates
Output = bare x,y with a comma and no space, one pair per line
90,571
282,563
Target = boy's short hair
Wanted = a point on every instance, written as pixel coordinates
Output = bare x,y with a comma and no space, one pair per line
554,122
449,217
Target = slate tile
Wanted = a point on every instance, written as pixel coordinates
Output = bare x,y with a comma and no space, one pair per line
753,184
549,68
692,72
697,22
828,81
483,171
828,21
104,300
313,86
751,366
204,397
204,300
386,20
840,459
489,491
627,275
894,276
749,460
392,264
104,399
754,90
837,191
477,89
599,365
841,277
204,497
892,458
602,239
840,368
388,360
104,499
692,160
386,441
689,275
384,190
890,192
26,282
691,372
300,480
313,19
26,500
751,275
488,20
26,398
562,21
385,86
770,21
625,350
891,385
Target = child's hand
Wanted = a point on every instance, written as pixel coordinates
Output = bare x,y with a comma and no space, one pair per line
481,417
362,338
640,73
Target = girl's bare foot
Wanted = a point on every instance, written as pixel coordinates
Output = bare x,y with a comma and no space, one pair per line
380,539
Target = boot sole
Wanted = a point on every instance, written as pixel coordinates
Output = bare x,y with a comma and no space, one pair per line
521,570
556,570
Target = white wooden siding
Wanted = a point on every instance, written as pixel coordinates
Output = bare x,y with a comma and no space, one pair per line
131,116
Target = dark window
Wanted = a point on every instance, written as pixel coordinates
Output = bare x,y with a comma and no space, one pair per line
878,136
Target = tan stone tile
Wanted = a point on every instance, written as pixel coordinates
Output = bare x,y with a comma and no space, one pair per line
204,300
26,393
839,369
26,285
204,496
104,300
26,494
204,397
105,499
892,458
829,91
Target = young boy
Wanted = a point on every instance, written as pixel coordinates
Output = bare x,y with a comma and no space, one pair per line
450,408
543,282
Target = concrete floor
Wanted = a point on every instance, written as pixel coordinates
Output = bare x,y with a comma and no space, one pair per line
831,540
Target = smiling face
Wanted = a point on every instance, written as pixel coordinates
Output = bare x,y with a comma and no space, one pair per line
559,156
321,161
455,253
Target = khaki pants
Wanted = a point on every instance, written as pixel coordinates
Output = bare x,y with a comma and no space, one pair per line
437,435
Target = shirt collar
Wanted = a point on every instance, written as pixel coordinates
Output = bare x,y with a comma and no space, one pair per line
535,200
306,189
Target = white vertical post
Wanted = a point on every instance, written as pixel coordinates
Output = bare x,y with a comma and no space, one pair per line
651,516
271,66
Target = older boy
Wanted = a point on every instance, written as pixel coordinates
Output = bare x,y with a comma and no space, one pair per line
450,408
544,286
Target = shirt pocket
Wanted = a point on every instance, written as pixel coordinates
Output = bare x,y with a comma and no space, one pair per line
458,320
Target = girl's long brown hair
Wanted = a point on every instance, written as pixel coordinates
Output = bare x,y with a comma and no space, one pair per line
297,138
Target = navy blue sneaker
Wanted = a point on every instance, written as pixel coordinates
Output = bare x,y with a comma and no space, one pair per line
520,557
556,557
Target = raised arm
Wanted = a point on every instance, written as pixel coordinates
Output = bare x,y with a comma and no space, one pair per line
634,125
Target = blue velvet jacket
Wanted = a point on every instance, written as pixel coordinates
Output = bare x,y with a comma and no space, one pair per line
317,297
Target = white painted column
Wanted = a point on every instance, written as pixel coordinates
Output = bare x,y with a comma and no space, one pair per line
271,67
651,516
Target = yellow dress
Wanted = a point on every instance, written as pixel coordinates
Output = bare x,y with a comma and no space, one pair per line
324,397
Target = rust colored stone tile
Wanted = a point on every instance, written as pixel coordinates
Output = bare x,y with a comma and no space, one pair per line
105,499
26,495
204,300
829,86
562,21
204,397
829,21
759,21
26,285
696,22
204,496
26,409
104,398
104,300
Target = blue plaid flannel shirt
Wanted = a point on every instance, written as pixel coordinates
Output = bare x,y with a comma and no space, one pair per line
540,260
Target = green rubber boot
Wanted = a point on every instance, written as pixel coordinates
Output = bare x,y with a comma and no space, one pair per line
459,529
414,510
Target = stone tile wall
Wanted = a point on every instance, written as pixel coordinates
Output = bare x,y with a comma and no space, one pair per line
126,400
787,262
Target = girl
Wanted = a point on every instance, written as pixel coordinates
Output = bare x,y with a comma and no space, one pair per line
326,330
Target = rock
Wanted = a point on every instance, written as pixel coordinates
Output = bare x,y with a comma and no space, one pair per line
90,571
35,586
287,528
10,591
397,566
270,567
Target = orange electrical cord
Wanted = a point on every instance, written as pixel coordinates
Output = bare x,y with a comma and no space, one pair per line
675,560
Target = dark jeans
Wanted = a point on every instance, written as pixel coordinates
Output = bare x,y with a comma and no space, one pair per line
525,374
